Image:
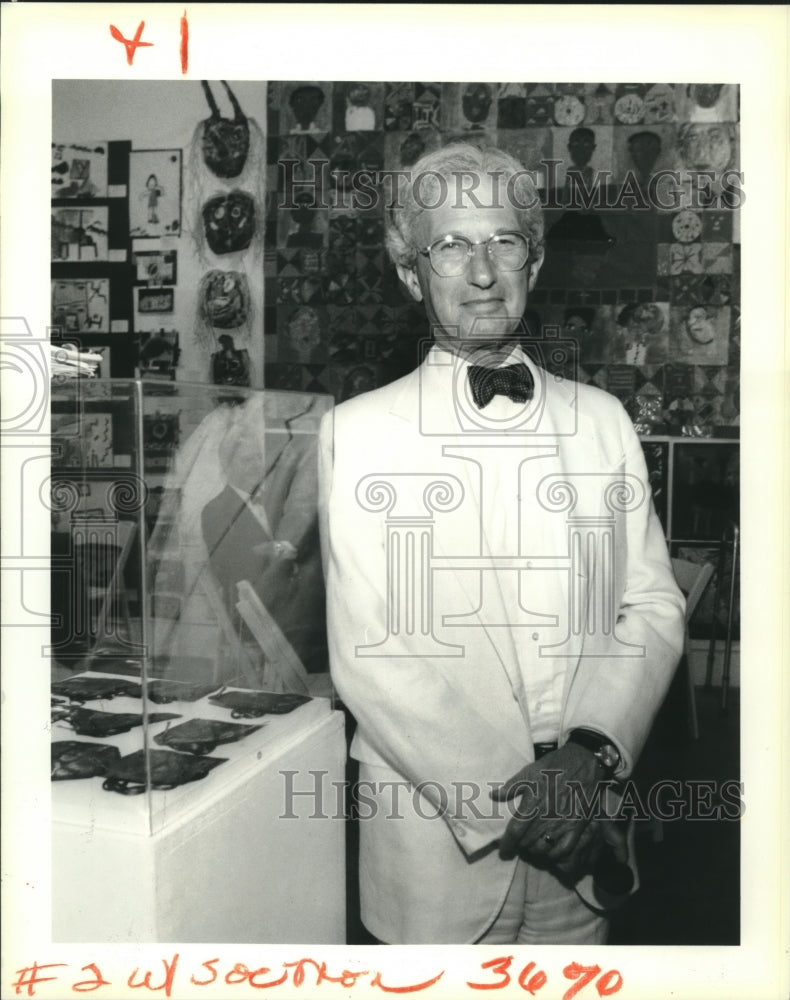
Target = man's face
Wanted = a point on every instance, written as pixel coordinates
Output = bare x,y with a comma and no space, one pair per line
576,327
476,102
707,147
644,150
581,147
482,306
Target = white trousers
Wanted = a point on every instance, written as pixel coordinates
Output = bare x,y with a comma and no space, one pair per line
540,910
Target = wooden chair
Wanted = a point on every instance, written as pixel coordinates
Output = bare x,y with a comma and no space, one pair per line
284,669
239,655
693,579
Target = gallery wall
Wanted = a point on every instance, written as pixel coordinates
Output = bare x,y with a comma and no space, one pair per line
639,293
642,281
164,115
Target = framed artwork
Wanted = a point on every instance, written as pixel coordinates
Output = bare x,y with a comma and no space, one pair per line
79,234
705,493
154,193
155,267
158,354
306,107
81,306
103,369
155,300
700,334
96,440
161,434
79,170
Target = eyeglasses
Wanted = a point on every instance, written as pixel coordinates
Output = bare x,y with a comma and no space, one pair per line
450,255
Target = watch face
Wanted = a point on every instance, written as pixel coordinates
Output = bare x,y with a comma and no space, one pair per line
686,226
568,110
629,109
608,756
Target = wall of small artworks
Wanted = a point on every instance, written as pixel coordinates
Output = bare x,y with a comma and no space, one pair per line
640,287
644,277
639,293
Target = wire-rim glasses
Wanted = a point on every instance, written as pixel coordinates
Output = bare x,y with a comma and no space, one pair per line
450,255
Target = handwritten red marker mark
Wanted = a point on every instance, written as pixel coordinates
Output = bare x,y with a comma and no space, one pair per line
134,982
528,982
88,985
498,965
411,988
610,982
184,43
31,976
131,45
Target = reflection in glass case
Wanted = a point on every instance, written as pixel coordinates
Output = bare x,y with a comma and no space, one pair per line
187,586
190,679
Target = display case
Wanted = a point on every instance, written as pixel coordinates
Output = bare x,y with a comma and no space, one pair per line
190,695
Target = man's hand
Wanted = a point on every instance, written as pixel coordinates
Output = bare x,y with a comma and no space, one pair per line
548,828
269,551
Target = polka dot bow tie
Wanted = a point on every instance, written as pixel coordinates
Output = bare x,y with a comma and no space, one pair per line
513,381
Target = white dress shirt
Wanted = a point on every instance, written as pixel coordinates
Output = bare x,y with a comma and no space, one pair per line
543,677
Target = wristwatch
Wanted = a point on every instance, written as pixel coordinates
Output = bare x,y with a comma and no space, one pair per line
605,752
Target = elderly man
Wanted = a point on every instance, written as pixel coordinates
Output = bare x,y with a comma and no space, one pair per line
499,591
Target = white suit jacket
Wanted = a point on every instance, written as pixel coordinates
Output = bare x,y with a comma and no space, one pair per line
425,641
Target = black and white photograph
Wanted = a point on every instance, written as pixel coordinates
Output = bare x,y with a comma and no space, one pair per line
435,597
155,192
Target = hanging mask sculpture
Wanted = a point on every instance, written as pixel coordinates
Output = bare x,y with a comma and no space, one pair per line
229,222
224,300
225,141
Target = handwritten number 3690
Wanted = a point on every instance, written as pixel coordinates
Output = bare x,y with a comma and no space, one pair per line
531,981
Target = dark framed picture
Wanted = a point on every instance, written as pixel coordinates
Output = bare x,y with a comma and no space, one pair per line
161,435
158,354
154,193
155,300
155,267
705,493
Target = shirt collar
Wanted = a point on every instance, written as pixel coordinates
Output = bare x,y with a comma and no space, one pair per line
517,355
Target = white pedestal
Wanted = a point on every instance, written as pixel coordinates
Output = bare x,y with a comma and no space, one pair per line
212,861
